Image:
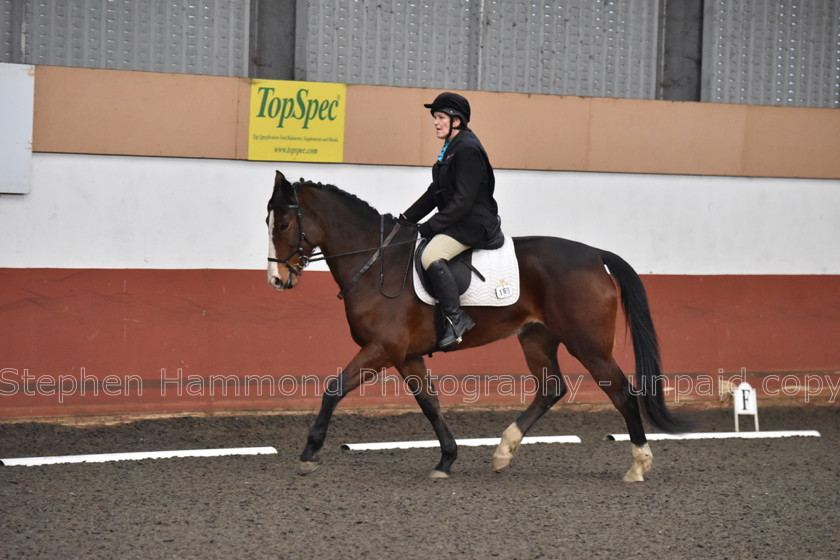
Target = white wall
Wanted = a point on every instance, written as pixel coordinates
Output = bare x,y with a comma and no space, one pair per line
17,95
133,212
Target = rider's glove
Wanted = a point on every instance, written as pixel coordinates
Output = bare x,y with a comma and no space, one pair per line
426,230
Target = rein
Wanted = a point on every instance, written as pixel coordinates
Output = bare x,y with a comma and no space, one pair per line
320,256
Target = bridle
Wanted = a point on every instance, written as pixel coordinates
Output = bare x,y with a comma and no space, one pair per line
304,260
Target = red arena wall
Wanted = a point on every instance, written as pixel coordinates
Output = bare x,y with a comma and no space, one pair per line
137,341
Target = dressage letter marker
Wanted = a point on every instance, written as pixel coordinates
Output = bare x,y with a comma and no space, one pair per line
474,442
105,457
745,404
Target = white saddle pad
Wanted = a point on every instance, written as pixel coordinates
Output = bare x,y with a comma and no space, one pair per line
501,278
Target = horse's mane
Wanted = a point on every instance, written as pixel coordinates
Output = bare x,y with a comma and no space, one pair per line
357,203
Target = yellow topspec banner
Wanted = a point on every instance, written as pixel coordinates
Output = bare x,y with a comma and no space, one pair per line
296,121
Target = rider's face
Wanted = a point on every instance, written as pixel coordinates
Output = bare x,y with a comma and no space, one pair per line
443,124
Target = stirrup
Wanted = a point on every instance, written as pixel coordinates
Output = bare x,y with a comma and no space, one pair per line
450,335
456,337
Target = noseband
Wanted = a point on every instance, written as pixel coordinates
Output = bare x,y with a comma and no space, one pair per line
299,252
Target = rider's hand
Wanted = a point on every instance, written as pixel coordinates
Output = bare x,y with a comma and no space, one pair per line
425,230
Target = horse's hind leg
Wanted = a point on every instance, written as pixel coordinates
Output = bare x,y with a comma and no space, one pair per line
369,358
613,382
541,355
414,372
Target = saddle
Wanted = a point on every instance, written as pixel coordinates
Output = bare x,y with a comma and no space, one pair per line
460,265
484,277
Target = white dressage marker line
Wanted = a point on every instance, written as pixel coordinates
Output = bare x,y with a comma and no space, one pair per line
474,442
723,435
137,456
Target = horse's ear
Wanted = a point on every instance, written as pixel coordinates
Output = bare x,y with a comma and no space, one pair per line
285,187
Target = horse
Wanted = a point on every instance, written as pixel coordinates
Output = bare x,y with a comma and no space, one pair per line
567,296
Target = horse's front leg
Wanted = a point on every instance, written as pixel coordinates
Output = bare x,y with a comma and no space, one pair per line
369,359
416,376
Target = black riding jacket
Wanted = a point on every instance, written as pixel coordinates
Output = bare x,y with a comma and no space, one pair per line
462,191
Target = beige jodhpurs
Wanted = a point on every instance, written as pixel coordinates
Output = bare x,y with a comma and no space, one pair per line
441,247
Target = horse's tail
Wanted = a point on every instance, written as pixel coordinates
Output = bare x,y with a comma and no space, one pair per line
645,345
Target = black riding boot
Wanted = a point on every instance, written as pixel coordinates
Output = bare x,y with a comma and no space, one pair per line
456,322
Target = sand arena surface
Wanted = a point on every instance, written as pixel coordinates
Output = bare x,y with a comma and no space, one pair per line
774,498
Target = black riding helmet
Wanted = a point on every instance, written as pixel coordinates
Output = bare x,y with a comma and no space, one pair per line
453,105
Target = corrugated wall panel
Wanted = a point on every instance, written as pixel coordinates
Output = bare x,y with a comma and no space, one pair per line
767,52
399,43
571,47
574,47
7,26
772,52
182,36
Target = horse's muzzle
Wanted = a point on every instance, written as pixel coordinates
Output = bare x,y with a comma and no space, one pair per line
278,283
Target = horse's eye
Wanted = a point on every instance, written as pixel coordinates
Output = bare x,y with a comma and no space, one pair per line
283,226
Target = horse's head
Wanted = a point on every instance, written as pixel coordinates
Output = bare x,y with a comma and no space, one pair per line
288,247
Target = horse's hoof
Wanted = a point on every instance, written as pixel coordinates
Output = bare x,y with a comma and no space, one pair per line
633,476
511,438
438,474
642,462
307,467
500,463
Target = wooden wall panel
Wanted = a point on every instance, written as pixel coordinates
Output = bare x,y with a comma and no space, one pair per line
141,113
80,110
784,142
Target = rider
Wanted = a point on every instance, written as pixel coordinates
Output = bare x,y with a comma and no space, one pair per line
462,191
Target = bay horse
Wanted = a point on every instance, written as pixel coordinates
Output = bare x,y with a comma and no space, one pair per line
567,297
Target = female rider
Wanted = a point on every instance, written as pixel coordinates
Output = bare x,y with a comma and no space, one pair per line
467,217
